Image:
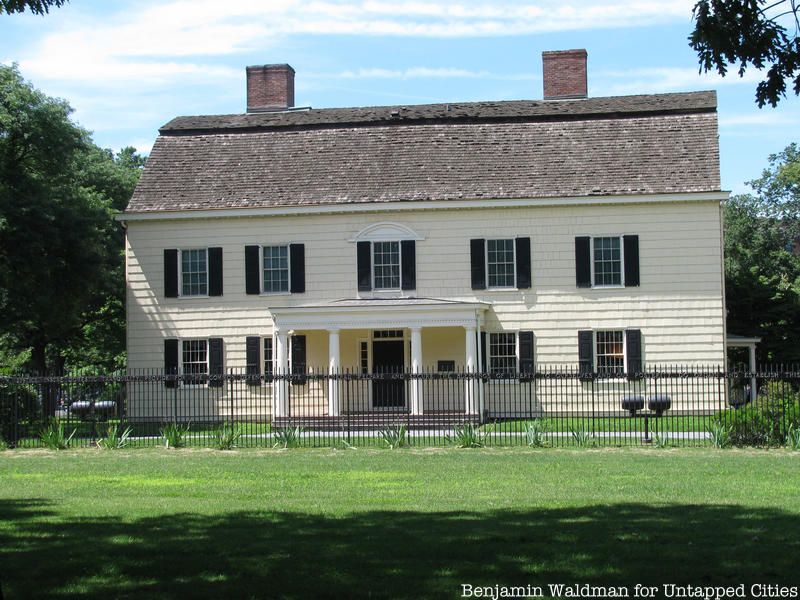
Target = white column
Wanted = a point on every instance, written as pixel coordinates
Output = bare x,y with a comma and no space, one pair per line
471,363
280,388
416,367
753,382
333,369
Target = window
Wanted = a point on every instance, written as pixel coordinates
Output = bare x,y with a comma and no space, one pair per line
194,361
610,352
268,359
607,261
500,263
446,366
503,354
386,261
363,357
275,261
388,334
194,272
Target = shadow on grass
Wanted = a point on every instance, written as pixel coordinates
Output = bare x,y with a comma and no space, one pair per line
387,554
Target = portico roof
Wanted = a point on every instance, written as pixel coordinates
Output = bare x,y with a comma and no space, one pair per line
380,313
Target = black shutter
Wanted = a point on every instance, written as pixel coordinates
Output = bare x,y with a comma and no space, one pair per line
252,276
298,359
633,348
631,252
585,354
484,358
363,250
297,261
171,273
408,258
477,257
253,360
526,362
583,262
215,271
523,263
171,363
216,368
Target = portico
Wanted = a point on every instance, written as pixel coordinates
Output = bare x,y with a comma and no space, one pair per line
393,345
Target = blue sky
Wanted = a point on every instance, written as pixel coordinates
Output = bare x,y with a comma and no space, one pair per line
129,67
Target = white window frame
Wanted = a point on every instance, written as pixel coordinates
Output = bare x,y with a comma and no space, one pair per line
621,262
263,358
261,269
208,363
497,380
595,354
486,263
399,265
180,273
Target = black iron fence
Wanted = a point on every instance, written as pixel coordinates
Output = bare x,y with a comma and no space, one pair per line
551,407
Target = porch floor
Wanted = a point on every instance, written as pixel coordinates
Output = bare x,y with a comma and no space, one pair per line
378,419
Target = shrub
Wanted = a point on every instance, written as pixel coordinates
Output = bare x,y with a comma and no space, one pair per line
395,436
174,435
582,438
534,433
287,437
226,436
114,438
793,437
767,420
467,435
54,437
719,434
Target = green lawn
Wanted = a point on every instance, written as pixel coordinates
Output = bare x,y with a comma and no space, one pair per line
401,524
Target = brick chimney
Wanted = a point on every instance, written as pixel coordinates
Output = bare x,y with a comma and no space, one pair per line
270,87
564,74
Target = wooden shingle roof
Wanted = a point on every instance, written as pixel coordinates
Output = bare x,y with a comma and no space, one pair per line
653,144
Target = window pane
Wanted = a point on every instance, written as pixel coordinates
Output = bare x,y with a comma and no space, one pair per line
607,261
386,258
267,356
503,354
194,274
276,268
195,361
500,263
610,352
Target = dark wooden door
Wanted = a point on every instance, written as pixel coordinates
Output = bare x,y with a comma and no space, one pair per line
388,360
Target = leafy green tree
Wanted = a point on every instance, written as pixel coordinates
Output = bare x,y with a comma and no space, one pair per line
60,249
750,34
37,7
762,266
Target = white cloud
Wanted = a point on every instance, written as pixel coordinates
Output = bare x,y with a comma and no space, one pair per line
759,119
665,79
423,73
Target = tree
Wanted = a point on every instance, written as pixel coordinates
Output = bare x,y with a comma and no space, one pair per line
750,33
37,7
762,266
60,249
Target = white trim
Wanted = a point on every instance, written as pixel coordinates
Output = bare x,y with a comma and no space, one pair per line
624,347
502,288
416,205
505,380
261,269
399,288
181,373
610,286
180,274
386,231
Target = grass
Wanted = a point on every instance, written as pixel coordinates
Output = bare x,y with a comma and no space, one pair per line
374,523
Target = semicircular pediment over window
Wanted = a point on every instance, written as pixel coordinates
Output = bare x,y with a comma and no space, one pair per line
386,231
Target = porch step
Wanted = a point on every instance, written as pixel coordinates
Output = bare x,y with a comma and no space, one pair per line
374,421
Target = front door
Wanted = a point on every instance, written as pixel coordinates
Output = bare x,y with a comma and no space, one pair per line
387,359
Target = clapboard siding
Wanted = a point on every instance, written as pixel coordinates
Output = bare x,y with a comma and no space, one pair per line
678,305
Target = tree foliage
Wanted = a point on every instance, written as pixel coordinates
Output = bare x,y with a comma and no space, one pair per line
37,7
61,279
750,34
762,266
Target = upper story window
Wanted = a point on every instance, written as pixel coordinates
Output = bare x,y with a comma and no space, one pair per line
386,265
194,272
607,261
275,261
500,263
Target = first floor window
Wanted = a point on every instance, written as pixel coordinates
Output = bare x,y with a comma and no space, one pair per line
386,258
500,263
276,268
194,272
610,352
607,261
268,360
503,354
194,361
